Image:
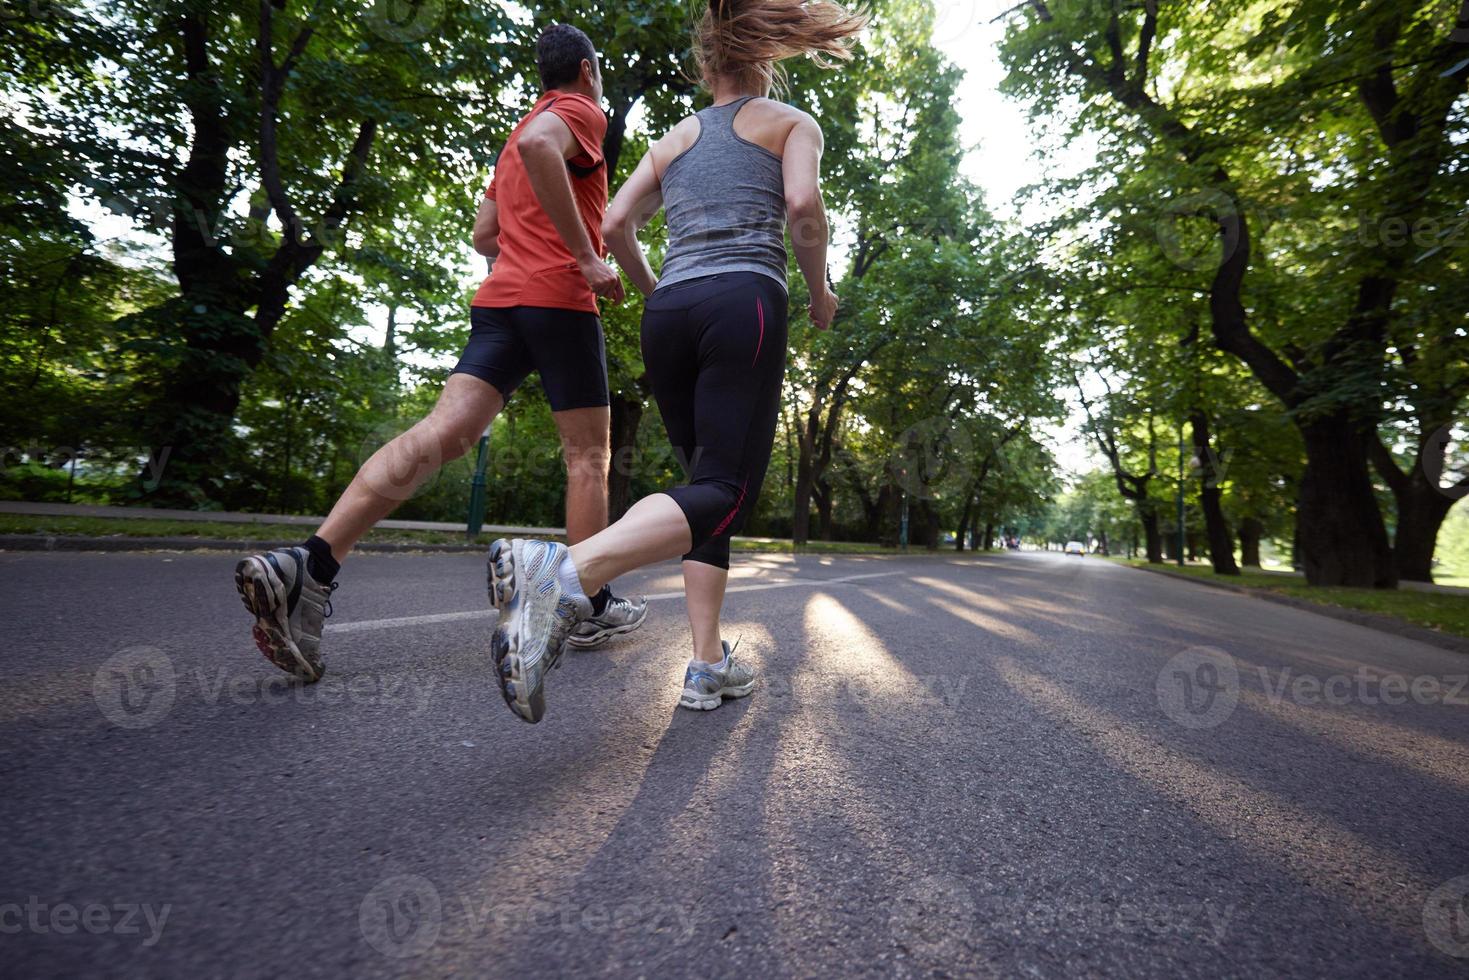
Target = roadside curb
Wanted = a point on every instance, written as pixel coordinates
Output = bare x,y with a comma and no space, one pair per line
1377,621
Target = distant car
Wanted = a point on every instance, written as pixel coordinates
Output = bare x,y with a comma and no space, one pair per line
1075,548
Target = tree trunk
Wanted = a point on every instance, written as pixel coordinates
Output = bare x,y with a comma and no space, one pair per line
1152,536
1343,538
1421,512
805,474
1221,542
824,503
989,536
1250,532
964,520
627,415
877,513
390,338
1420,501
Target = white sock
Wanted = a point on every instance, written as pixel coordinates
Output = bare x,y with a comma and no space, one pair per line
566,573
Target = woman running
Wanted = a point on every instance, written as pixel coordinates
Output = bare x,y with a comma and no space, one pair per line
729,177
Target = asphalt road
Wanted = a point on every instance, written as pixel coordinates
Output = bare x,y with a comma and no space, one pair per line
1013,765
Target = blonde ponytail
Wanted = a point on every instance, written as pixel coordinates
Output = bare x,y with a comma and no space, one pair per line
750,37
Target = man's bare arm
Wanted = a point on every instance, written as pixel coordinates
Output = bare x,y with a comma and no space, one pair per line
487,229
546,144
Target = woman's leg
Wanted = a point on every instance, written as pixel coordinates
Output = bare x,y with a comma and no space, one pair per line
653,529
703,586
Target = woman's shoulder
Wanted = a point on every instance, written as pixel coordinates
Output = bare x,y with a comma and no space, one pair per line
674,142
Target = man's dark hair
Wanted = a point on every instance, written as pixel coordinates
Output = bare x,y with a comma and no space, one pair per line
559,54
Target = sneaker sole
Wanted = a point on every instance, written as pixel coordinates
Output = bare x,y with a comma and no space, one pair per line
602,636
527,705
710,702
264,595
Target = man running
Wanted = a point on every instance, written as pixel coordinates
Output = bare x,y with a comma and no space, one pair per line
540,224
729,179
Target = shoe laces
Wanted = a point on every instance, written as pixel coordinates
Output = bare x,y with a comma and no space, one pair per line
327,607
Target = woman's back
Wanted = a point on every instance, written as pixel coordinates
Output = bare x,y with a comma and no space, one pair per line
723,189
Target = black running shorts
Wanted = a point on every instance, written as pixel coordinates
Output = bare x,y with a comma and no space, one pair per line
564,347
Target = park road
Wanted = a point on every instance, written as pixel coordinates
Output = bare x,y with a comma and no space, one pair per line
1018,764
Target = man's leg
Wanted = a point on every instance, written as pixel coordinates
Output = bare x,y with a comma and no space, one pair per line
465,409
586,445
288,590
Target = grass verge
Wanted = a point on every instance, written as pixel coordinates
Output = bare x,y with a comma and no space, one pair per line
1440,611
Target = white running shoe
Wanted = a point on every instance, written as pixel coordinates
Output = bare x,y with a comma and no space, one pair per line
289,607
536,617
705,686
621,615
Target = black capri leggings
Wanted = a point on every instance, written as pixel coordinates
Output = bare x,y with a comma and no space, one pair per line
715,348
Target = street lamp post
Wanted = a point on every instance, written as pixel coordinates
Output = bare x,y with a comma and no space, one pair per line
1182,539
476,519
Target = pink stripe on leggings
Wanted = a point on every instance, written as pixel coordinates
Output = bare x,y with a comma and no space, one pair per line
740,502
759,312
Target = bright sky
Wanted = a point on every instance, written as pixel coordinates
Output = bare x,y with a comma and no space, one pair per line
1004,152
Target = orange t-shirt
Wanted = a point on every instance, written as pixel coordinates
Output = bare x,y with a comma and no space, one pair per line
535,268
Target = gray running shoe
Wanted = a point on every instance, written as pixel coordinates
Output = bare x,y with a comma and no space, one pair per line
705,686
621,615
536,617
289,607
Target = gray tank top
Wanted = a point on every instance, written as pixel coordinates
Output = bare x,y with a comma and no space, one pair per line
724,202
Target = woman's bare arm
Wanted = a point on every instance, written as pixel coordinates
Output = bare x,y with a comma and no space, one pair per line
635,204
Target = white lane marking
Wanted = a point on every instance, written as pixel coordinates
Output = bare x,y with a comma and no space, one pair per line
380,624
